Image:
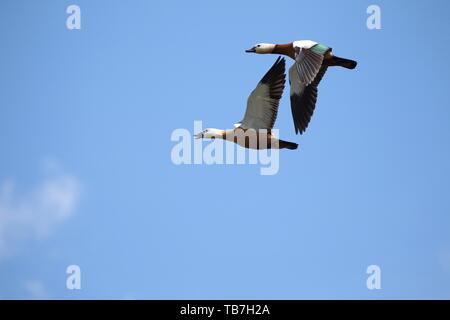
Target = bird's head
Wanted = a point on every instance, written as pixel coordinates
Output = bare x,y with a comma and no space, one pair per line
209,133
262,48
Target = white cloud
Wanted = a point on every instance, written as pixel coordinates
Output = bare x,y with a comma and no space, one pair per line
36,290
34,214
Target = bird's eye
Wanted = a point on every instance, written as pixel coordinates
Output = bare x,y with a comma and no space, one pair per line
258,46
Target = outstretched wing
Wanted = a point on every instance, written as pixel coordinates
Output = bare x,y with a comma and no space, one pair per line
307,63
263,102
303,97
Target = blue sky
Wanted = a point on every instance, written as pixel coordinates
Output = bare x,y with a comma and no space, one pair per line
86,176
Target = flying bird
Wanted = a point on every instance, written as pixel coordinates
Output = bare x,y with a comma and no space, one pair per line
255,130
311,62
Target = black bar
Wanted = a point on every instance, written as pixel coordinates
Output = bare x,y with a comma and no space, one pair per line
232,309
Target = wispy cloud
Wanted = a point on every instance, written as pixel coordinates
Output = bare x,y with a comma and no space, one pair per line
36,290
34,214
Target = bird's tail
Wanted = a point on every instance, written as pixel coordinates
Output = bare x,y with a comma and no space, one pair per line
342,62
288,145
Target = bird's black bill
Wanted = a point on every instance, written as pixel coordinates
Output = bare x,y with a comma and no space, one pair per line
250,50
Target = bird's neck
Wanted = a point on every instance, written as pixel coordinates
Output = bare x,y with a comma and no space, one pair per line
285,49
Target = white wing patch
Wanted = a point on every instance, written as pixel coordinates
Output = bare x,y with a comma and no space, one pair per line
304,44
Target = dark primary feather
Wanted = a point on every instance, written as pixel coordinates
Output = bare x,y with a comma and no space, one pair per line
263,102
275,78
303,99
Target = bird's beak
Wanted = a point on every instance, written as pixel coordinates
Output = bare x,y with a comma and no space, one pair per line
198,135
251,50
